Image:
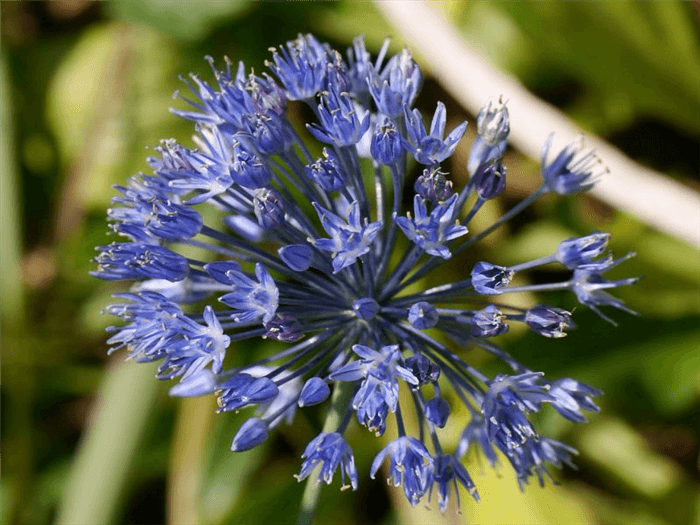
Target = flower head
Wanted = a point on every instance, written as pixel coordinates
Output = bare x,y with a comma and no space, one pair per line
245,235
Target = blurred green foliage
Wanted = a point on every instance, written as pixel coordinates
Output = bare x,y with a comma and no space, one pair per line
86,87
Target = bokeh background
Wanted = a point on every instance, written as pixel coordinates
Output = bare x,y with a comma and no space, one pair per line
85,91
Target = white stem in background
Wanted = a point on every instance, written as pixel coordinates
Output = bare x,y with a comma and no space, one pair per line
648,195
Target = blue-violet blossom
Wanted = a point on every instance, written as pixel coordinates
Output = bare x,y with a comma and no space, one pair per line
305,255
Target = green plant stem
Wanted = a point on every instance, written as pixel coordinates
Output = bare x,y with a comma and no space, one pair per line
309,500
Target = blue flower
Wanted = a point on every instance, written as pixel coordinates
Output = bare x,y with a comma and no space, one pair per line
530,459
283,328
229,104
447,469
488,322
197,347
243,389
423,369
432,232
488,279
570,397
245,235
250,299
410,465
152,323
433,186
396,87
349,239
385,146
490,179
248,169
132,260
268,208
379,391
589,285
327,172
476,434
342,122
301,67
567,174
505,406
549,321
145,216
183,170
582,250
493,127
331,451
431,148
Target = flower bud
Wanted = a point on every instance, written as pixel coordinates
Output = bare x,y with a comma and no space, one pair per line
251,434
582,250
297,256
423,315
423,369
433,186
490,179
488,322
365,308
315,391
283,328
386,144
489,278
268,208
326,172
437,411
549,321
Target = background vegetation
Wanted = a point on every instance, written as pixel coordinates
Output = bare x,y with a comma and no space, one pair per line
85,87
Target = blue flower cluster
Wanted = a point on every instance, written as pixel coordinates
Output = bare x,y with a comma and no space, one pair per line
318,253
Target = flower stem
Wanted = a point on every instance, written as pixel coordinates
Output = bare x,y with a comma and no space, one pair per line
339,401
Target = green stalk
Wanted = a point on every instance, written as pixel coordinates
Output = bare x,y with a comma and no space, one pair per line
339,402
